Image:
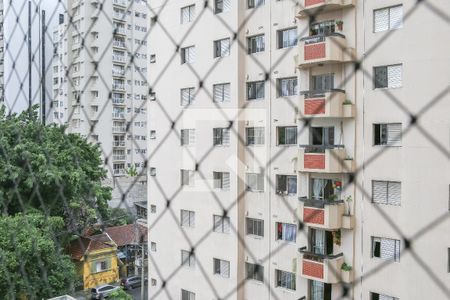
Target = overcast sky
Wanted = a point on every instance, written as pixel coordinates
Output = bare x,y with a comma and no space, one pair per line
16,51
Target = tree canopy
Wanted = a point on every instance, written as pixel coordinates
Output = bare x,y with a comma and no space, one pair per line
32,265
42,167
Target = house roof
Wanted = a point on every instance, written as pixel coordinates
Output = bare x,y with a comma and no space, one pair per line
127,234
85,244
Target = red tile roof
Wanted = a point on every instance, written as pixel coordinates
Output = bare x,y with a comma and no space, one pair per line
83,245
127,234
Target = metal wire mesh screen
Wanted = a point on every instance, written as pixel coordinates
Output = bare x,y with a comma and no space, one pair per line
291,149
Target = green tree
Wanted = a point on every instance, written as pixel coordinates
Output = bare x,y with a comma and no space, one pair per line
43,167
119,216
119,295
32,263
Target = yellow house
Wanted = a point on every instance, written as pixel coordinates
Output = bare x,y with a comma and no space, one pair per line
95,259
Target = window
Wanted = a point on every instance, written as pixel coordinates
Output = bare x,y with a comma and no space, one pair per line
188,55
255,227
221,224
187,137
387,134
221,180
187,218
376,296
286,232
153,209
187,177
98,266
221,136
255,3
285,279
254,135
222,48
255,44
153,246
319,290
255,90
287,38
386,192
187,259
323,28
255,182
322,82
187,14
286,184
254,272
221,6
221,267
153,282
388,76
388,18
221,92
287,87
187,96
186,295
384,248
287,135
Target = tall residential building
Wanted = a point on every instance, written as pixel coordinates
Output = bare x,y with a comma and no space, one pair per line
100,70
2,55
286,160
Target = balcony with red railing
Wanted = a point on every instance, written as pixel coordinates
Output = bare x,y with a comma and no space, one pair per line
324,268
325,104
323,214
324,159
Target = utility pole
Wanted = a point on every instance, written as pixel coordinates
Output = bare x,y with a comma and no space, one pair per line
142,266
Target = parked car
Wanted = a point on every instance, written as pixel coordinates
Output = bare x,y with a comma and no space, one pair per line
132,282
103,291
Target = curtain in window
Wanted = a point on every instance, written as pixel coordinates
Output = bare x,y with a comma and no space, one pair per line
292,185
225,47
317,290
289,232
291,135
318,241
318,186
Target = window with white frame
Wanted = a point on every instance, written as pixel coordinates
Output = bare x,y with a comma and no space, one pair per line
285,279
187,295
386,192
287,135
221,6
387,134
187,96
221,224
254,135
187,14
286,184
98,266
388,76
187,177
221,92
255,3
153,246
255,90
387,249
388,18
221,136
287,38
255,227
222,48
188,55
187,259
187,218
221,267
286,232
254,272
187,137
378,296
255,44
221,180
254,182
287,87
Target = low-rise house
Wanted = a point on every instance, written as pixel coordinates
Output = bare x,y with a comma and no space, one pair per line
95,259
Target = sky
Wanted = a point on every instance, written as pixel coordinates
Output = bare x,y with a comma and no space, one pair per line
16,50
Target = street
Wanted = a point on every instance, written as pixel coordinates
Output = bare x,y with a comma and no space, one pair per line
136,293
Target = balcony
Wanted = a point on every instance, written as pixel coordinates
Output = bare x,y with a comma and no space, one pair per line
118,157
118,143
119,129
324,268
118,100
325,104
119,172
324,49
120,31
122,3
324,214
324,159
313,7
118,115
119,58
118,87
118,73
119,44
117,16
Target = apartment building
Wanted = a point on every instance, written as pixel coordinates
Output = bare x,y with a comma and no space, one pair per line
2,54
100,74
281,173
